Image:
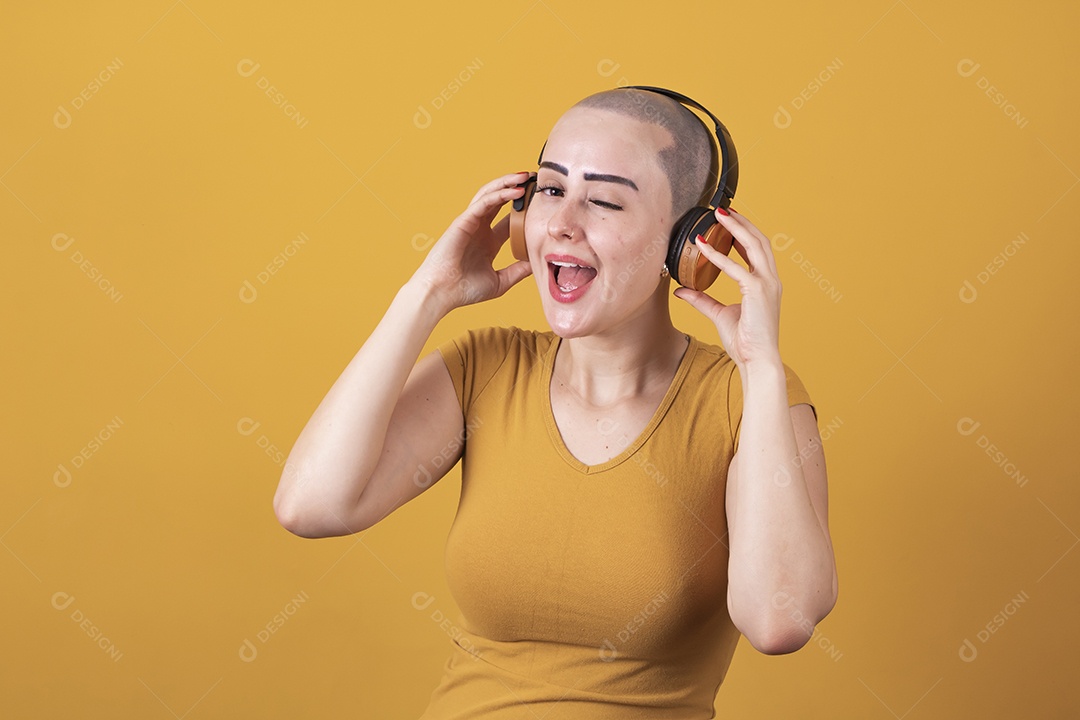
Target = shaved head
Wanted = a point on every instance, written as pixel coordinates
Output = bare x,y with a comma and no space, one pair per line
690,161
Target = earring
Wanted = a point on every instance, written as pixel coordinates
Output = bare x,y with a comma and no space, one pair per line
664,272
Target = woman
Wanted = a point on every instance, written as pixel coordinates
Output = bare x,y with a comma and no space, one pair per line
633,498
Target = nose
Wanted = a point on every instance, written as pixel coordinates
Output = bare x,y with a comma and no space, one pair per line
565,222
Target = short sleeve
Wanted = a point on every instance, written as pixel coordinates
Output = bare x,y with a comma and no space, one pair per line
454,353
472,360
796,392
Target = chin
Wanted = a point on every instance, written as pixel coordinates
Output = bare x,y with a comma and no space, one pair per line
592,313
568,322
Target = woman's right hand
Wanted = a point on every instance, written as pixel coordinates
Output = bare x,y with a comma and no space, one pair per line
458,269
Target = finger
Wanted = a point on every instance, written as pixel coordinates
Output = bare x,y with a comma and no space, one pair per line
501,230
734,270
511,275
738,239
749,242
705,304
486,207
495,201
500,182
766,244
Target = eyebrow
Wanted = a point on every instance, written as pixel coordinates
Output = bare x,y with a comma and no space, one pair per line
602,177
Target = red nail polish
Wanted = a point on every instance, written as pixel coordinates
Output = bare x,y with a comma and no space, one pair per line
733,210
701,239
722,211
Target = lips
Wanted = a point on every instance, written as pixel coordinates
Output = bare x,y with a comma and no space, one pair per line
568,277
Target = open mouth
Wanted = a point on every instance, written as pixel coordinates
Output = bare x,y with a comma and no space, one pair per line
569,276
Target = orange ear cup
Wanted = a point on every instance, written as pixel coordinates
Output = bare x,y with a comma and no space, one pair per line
517,220
693,269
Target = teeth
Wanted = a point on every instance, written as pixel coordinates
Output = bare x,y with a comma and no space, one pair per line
566,264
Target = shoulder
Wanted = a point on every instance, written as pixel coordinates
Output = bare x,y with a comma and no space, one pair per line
495,357
480,353
710,360
500,342
713,358
710,352
714,373
710,378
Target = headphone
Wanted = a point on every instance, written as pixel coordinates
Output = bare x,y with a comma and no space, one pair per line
685,262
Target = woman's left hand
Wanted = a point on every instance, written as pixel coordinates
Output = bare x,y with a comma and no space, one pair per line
750,330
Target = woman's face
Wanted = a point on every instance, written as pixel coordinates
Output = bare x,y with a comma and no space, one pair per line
603,204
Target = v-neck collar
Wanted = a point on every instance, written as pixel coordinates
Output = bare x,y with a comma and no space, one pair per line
629,450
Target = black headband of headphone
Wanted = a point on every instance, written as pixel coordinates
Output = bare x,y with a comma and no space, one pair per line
729,161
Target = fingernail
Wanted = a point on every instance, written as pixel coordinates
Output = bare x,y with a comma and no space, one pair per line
733,210
701,239
722,211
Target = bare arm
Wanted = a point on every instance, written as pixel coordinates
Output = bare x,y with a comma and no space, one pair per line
386,416
781,573
340,448
781,570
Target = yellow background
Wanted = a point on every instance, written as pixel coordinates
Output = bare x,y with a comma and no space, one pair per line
896,177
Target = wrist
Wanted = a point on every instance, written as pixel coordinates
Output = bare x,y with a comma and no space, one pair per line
421,297
766,371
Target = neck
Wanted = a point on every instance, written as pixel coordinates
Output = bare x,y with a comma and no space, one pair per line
625,361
